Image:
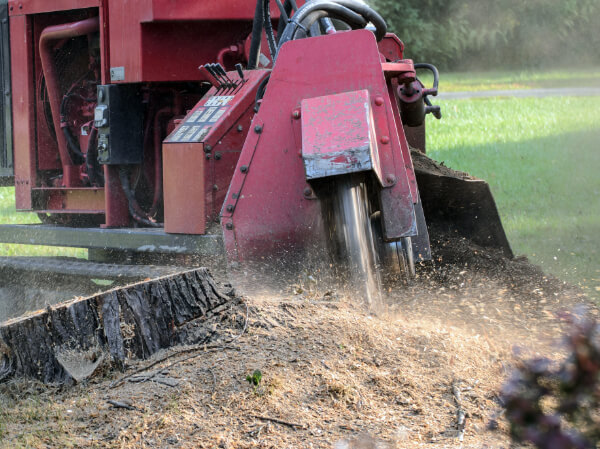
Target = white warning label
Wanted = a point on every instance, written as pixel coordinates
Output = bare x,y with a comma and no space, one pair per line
219,100
199,123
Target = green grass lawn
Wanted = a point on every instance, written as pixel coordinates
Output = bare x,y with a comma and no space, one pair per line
501,80
542,160
9,215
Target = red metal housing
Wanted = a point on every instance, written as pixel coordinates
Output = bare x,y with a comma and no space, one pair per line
270,208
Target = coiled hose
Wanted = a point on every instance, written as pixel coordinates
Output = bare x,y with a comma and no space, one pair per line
355,14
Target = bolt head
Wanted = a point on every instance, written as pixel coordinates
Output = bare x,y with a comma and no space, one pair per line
240,128
207,148
307,191
258,129
296,114
379,101
244,169
229,226
230,208
385,140
390,178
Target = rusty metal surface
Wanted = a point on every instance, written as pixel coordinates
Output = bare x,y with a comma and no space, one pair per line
337,135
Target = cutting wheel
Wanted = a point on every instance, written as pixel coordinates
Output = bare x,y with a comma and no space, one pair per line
352,236
395,259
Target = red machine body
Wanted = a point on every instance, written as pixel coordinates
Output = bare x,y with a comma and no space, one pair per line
200,156
68,47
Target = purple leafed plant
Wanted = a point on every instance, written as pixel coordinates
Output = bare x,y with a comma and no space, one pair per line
557,406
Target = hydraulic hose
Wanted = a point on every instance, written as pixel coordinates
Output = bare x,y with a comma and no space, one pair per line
288,9
353,20
50,35
355,14
257,27
131,201
268,26
91,162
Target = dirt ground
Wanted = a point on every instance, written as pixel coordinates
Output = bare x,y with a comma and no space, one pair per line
332,370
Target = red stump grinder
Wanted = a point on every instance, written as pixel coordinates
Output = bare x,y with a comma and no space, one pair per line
274,136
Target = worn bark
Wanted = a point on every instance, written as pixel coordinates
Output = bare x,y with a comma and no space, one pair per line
66,342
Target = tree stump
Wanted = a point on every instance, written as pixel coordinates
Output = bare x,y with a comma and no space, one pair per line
67,342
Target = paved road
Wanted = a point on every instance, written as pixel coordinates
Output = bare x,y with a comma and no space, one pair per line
522,93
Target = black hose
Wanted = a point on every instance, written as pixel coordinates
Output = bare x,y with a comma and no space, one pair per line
355,21
257,27
268,26
287,8
71,144
283,14
260,92
326,24
131,201
344,10
369,14
91,161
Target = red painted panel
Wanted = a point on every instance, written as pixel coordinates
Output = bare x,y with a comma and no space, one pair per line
166,40
173,51
391,47
125,35
207,10
184,171
20,7
23,109
337,135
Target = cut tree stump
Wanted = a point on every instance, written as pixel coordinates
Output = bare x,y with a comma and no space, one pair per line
67,342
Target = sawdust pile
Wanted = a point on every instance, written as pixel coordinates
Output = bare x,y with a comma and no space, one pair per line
330,372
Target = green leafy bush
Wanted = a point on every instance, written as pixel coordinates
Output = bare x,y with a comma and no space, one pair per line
486,34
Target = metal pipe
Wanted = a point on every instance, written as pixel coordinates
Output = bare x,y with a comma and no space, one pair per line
49,36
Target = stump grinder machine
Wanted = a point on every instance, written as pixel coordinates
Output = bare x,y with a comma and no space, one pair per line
277,135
